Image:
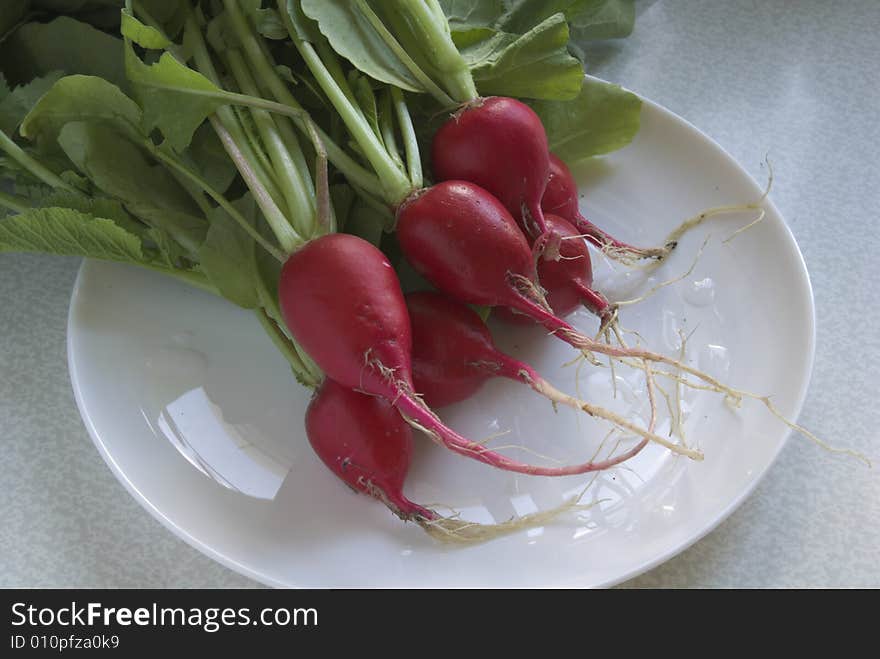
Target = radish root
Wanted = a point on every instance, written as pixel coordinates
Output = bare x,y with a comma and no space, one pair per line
733,396
457,531
454,530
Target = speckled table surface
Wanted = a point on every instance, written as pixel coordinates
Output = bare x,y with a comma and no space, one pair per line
798,81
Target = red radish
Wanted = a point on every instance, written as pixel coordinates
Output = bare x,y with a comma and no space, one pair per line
341,424
568,280
561,198
498,143
463,241
368,445
342,302
454,355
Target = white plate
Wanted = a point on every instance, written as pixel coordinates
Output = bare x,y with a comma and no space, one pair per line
200,419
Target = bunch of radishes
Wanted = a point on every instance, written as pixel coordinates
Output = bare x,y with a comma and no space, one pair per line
343,303
323,109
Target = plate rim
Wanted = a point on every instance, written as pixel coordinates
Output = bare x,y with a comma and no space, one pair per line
267,580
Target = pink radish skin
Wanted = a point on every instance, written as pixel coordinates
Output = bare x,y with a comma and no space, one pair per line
453,351
498,143
342,302
454,355
463,241
568,280
365,442
561,198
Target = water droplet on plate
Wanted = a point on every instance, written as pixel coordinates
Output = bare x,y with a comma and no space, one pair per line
700,293
714,360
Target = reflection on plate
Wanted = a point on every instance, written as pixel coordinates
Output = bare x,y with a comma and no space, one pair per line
201,420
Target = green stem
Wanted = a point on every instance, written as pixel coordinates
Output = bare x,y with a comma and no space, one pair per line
222,201
286,347
328,56
395,184
13,203
288,134
252,141
270,307
386,127
287,131
410,141
36,168
194,191
264,70
225,114
443,54
418,73
299,201
287,237
349,167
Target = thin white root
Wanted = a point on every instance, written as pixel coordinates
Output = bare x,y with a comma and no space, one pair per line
735,397
452,530
545,388
760,217
677,420
669,282
698,219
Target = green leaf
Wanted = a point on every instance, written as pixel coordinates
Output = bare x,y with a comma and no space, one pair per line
342,196
305,28
352,36
520,16
171,254
366,99
601,19
81,98
121,170
603,118
356,217
187,230
164,90
11,12
165,11
70,232
227,257
465,15
17,103
209,159
533,65
268,23
36,49
96,206
365,222
143,35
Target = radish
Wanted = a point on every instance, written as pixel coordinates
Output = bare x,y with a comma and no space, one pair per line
498,143
342,302
454,355
567,280
561,198
463,241
368,445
